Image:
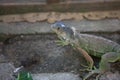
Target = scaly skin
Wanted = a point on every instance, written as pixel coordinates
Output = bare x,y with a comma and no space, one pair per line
105,49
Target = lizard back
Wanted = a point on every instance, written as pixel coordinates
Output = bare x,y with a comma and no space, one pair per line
96,45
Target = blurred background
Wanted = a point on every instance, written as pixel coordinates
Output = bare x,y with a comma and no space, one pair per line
26,37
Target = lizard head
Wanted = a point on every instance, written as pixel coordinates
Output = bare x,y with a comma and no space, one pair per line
63,31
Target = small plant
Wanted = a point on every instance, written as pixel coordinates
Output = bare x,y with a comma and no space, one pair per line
24,76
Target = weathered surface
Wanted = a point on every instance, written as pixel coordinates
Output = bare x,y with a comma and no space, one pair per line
46,57
2,58
6,71
43,54
107,25
56,76
52,17
110,76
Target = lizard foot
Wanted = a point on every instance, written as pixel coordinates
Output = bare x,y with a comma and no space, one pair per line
97,71
87,68
61,43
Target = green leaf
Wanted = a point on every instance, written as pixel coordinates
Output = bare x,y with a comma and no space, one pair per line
24,76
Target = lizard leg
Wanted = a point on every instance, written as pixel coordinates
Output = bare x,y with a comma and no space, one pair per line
104,63
61,42
106,59
87,57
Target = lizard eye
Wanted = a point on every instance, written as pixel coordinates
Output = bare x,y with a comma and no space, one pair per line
58,28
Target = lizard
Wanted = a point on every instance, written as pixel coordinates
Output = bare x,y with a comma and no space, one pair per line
107,50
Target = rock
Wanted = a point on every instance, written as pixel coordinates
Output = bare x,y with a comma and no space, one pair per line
2,58
94,16
106,25
6,71
11,18
40,54
56,76
110,76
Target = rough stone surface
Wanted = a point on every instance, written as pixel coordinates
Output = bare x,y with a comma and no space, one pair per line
110,76
43,54
107,25
2,58
1,45
52,17
40,54
6,71
56,76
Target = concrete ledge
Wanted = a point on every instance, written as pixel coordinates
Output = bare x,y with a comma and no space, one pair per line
6,71
107,25
56,76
